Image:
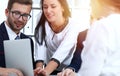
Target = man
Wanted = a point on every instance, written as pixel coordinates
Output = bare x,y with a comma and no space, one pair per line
17,13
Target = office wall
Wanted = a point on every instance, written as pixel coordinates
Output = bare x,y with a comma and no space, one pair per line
3,5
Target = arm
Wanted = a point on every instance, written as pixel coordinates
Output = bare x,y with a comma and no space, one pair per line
39,55
68,44
67,47
49,68
40,70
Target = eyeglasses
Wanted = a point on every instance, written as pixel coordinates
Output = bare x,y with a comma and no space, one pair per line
17,15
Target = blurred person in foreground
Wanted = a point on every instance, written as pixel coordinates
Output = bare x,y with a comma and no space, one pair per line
101,52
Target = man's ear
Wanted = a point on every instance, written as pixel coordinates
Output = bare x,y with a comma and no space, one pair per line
6,12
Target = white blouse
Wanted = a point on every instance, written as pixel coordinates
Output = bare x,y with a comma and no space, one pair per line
60,46
101,54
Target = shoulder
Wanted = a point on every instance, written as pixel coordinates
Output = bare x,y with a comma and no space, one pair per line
24,36
3,30
77,25
109,22
2,25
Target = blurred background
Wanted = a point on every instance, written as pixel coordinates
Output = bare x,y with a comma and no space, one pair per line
80,10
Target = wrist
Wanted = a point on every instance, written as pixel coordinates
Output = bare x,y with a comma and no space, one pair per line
73,69
39,63
55,60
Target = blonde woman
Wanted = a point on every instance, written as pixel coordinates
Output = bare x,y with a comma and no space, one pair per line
101,52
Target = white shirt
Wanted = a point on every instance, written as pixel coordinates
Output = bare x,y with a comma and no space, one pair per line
60,46
101,54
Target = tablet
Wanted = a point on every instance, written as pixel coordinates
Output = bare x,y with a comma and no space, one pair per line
18,55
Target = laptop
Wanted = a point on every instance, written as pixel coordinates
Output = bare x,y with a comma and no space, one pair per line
18,55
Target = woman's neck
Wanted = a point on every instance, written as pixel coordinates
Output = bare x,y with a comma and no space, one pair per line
59,26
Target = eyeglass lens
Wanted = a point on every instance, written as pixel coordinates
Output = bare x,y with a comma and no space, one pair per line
17,15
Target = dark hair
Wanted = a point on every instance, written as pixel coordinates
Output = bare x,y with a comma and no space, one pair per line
41,23
11,2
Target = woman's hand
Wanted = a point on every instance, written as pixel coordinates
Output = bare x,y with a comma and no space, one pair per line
66,72
40,72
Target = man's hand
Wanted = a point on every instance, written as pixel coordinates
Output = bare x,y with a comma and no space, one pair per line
8,71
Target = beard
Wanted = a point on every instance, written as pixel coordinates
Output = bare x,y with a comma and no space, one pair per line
15,25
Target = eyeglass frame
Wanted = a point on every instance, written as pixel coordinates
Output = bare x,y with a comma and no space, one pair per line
18,14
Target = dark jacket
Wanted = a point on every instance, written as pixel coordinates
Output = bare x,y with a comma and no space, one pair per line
76,60
4,36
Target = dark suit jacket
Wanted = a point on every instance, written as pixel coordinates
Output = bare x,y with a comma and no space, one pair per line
4,36
76,60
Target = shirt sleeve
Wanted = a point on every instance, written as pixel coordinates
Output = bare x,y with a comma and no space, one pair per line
66,48
40,50
68,44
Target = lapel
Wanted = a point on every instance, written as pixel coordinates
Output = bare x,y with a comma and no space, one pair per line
23,36
3,32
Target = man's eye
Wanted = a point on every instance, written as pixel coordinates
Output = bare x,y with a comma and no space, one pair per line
25,15
17,13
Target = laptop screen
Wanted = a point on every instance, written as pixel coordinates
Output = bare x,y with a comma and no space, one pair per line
18,55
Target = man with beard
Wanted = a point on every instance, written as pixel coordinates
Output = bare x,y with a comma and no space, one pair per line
17,14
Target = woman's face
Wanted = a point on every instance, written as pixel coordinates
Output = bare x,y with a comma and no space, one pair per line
53,10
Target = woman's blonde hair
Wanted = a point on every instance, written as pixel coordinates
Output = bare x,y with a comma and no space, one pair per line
102,8
112,3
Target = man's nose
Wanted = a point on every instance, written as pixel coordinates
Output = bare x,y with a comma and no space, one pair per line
20,18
